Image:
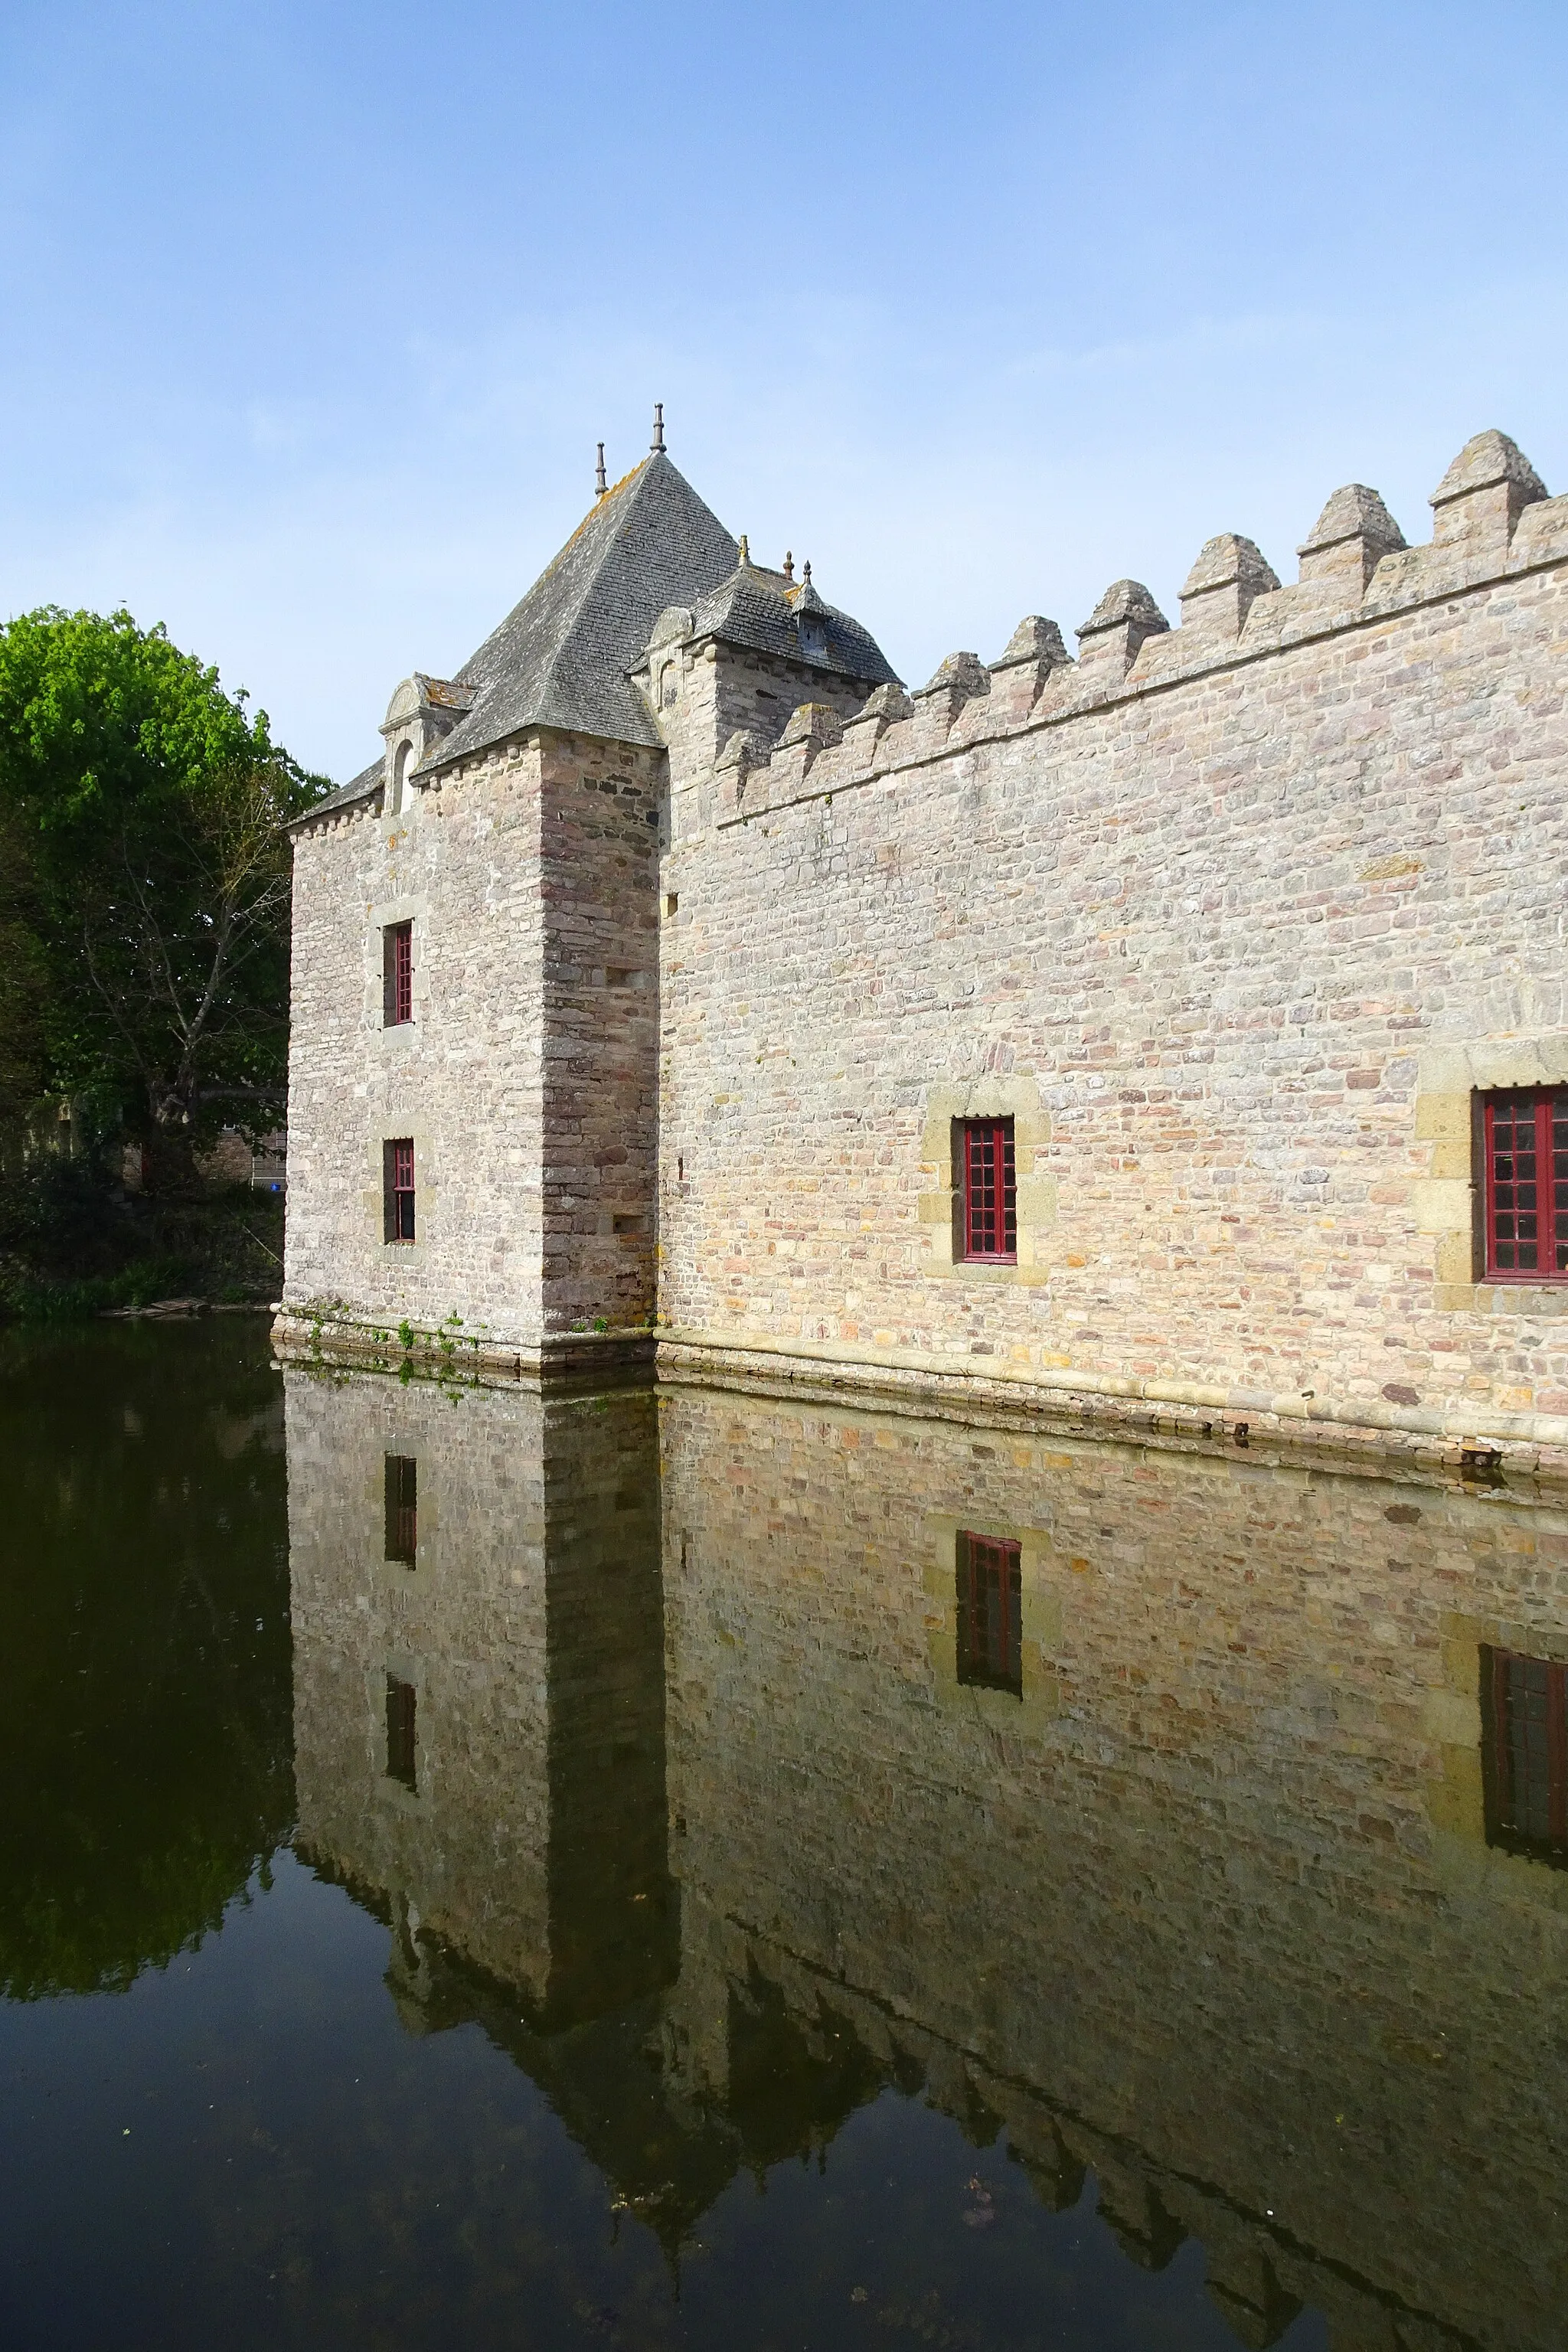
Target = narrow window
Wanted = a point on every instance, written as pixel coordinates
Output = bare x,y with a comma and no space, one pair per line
990,1613
398,1184
397,974
988,1190
1525,1186
401,1751
401,1508
1524,1754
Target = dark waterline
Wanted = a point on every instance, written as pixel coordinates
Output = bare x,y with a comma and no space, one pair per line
707,1872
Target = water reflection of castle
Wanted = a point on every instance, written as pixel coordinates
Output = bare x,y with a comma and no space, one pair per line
1194,1820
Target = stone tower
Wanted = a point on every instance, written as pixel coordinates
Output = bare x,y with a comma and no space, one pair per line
474,1073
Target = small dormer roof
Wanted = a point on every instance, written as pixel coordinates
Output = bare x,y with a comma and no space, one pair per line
769,613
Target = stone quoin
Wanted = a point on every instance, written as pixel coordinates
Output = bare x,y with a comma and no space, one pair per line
1175,1035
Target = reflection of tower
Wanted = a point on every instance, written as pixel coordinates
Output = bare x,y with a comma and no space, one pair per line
479,1683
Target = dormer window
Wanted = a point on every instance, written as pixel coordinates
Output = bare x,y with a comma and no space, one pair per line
811,619
422,713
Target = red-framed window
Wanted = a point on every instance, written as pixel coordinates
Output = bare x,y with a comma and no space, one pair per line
991,1612
1524,1754
397,974
401,1508
397,1178
1525,1186
988,1193
402,1744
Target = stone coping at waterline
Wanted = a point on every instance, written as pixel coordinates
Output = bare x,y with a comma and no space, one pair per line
1457,1437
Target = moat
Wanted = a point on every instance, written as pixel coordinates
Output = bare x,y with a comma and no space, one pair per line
693,1869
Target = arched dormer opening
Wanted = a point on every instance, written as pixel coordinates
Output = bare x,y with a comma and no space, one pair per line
423,711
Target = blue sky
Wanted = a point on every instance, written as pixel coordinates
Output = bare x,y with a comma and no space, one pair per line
315,311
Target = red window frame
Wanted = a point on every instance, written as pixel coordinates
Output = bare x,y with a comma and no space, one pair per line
397,974
397,1160
1524,1754
991,1612
1524,1146
988,1193
402,1509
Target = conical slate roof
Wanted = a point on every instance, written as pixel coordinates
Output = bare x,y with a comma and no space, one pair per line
561,656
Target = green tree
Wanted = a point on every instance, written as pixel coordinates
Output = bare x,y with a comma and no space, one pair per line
24,977
142,809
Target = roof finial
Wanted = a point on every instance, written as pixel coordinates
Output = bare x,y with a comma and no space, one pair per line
806,573
789,564
658,425
600,485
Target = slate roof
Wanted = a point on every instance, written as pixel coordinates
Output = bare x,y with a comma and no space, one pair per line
561,656
775,615
369,779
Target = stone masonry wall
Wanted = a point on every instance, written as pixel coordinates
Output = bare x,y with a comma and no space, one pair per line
527,1077
1233,920
1215,1889
702,693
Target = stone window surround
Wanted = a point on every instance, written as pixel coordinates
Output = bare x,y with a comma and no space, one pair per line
1450,1080
1041,1613
410,907
387,1128
1018,1098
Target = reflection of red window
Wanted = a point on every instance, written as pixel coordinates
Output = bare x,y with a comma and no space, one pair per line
402,1753
397,974
990,1613
1524,1755
401,1508
398,1177
989,1189
1526,1143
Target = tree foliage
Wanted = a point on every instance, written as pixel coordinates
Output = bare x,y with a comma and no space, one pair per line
144,908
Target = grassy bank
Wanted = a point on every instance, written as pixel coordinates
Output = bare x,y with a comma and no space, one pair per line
73,1244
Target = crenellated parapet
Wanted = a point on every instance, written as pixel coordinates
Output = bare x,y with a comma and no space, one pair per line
1492,519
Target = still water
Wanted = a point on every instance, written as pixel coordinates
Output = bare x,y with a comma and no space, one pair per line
699,1871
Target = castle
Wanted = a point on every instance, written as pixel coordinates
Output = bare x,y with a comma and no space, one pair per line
1172,1036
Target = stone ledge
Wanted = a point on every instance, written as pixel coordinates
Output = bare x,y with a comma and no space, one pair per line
1458,1439
300,1336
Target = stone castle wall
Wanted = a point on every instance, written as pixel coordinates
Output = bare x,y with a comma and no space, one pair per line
1235,922
1232,918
